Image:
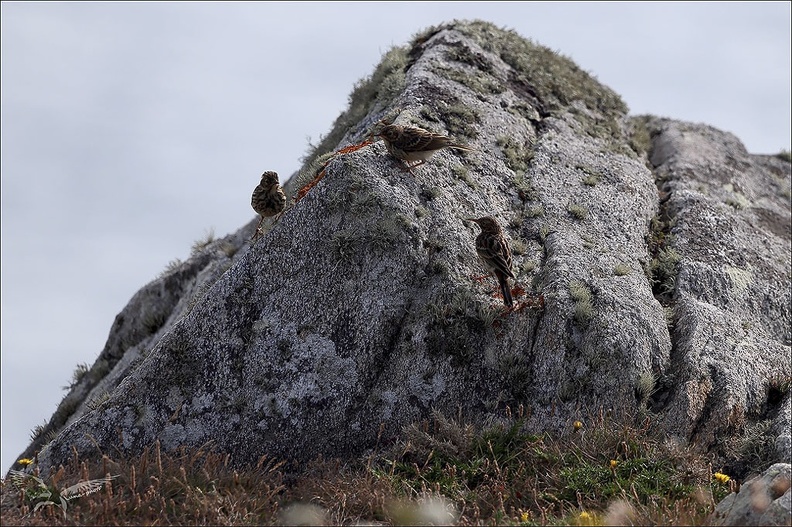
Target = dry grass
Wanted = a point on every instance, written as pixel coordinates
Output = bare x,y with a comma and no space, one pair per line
442,471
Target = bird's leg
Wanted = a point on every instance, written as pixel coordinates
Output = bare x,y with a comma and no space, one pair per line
409,168
258,230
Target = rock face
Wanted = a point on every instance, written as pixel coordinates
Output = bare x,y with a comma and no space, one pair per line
652,260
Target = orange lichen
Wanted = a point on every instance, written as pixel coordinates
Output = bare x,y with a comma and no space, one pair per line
321,173
352,148
534,301
311,184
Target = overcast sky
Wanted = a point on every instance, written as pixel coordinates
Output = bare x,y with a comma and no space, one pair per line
130,130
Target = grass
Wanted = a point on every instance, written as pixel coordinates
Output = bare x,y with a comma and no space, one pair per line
584,306
481,84
78,374
515,154
453,471
664,271
203,243
551,78
621,269
579,212
592,176
379,89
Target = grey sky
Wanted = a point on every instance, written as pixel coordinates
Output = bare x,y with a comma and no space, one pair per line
129,130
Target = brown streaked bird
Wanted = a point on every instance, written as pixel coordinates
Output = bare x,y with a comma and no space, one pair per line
493,249
268,198
413,146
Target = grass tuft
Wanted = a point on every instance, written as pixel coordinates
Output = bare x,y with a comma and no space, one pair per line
584,306
441,470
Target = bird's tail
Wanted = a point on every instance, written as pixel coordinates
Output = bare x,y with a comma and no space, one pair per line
506,290
462,147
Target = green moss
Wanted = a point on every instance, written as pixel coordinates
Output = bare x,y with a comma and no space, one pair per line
640,138
544,232
525,188
345,242
579,212
518,246
663,269
528,266
461,53
430,193
592,176
584,306
477,81
515,154
621,269
356,242
459,120
785,155
463,173
535,212
555,79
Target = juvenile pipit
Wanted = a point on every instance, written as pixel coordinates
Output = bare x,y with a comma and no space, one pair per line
268,198
413,146
493,249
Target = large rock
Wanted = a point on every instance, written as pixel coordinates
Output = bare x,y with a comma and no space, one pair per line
356,314
729,214
763,500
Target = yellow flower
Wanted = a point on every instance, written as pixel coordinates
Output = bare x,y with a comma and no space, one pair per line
577,425
524,517
613,463
587,518
25,461
722,478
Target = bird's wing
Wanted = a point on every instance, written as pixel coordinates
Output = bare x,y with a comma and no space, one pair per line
495,251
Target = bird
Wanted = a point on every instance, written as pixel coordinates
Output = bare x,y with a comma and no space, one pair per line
413,145
493,249
268,198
